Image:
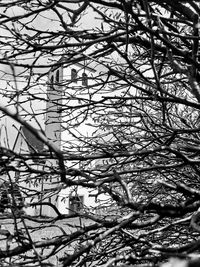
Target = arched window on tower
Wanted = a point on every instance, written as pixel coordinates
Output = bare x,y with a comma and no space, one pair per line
84,79
74,75
76,204
51,82
57,76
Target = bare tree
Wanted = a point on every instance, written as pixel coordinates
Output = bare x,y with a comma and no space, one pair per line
127,132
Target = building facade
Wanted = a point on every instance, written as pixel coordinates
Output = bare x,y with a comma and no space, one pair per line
65,82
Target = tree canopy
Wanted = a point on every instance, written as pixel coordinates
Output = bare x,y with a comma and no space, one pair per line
142,105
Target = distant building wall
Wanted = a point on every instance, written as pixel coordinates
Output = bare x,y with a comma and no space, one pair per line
53,106
63,90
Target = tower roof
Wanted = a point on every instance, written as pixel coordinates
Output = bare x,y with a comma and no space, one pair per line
86,64
34,144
